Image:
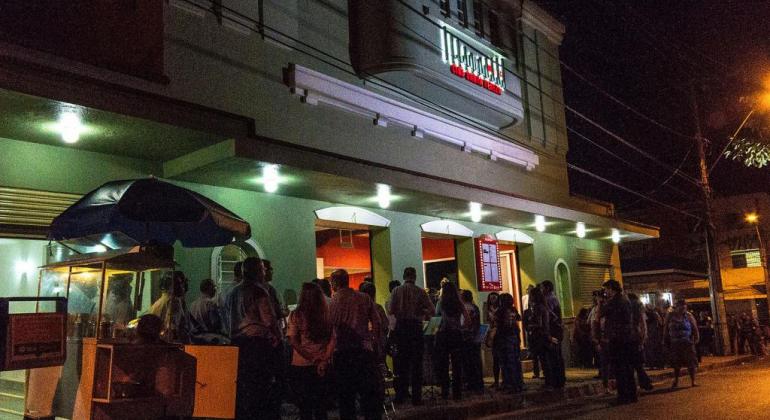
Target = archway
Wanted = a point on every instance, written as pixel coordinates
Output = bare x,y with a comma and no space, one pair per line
563,280
224,258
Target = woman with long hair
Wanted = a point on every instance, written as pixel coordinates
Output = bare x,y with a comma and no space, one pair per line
507,344
540,339
312,340
449,340
490,308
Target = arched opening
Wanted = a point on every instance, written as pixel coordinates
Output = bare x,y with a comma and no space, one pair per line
563,282
224,258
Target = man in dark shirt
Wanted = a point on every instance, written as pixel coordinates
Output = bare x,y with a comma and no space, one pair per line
410,305
618,328
474,376
355,362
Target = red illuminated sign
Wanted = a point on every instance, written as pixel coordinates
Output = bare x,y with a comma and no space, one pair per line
488,270
470,63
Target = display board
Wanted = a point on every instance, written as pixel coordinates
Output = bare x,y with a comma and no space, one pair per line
32,340
488,270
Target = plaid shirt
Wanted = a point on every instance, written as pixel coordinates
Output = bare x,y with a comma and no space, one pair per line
410,303
355,319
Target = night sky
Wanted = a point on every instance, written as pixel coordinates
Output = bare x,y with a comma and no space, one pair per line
646,54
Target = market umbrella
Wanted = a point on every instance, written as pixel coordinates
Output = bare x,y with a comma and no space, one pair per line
150,211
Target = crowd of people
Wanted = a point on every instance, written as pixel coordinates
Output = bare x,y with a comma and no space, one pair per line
331,349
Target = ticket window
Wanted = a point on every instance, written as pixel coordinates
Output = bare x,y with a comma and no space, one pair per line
348,249
439,259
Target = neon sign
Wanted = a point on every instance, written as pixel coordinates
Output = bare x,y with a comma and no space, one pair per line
469,63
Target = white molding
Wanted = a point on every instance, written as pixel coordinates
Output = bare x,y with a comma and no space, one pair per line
446,227
353,215
513,235
314,88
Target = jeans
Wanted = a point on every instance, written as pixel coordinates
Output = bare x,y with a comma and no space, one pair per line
621,360
357,373
407,362
508,352
637,362
257,392
449,346
472,370
309,390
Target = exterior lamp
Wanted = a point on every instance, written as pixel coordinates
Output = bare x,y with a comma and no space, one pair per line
24,267
383,195
615,236
70,126
270,177
752,218
475,211
580,230
540,223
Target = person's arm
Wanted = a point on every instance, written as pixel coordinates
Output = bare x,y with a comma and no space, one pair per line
695,332
665,327
427,305
643,328
268,318
295,339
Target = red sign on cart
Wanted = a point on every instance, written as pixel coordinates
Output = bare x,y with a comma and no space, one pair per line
488,270
35,340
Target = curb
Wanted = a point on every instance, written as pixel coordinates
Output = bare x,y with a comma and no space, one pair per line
500,404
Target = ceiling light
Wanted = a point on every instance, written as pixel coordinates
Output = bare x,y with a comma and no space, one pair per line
70,126
580,230
475,211
383,195
539,223
270,178
615,236
100,248
24,267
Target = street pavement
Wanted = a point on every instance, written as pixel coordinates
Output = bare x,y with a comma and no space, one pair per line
739,392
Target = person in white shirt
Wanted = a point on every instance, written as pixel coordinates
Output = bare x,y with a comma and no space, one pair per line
205,311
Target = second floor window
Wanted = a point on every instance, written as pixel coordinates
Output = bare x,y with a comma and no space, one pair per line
746,258
478,17
444,5
462,12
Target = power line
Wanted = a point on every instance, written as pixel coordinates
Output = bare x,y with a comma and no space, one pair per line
629,190
664,183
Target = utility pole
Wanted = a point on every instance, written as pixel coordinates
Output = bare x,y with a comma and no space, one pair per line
716,292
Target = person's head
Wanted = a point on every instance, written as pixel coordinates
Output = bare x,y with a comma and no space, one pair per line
583,314
268,270
368,279
340,280
368,288
238,272
612,288
633,297
148,329
492,299
506,301
680,306
536,296
313,310
410,275
598,296
253,270
175,283
450,299
325,286
467,296
208,288
393,284
547,287
529,288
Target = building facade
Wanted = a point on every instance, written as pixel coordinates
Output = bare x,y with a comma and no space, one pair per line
367,135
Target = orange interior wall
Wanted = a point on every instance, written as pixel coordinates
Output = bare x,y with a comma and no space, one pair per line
436,249
334,255
501,247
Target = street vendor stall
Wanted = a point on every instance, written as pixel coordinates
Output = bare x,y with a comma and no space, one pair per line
121,238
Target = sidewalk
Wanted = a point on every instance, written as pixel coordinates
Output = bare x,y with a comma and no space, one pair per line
580,383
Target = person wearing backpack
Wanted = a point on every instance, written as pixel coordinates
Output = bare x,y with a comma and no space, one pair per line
553,354
681,334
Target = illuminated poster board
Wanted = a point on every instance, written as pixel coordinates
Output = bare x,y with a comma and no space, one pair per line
32,340
488,270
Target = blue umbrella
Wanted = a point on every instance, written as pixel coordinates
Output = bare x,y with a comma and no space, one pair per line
150,211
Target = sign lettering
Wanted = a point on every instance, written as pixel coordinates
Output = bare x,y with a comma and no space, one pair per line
471,64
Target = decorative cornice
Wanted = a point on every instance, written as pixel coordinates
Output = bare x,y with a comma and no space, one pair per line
532,15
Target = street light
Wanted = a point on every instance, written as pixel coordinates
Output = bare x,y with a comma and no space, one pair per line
753,219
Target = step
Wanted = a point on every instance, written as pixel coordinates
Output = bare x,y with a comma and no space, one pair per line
11,386
11,404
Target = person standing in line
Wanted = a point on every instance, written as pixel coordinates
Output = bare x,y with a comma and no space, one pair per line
654,354
538,330
581,340
598,339
507,345
370,290
171,308
639,337
312,340
681,332
410,305
205,311
472,370
253,327
449,340
621,346
556,328
732,331
490,309
357,328
224,295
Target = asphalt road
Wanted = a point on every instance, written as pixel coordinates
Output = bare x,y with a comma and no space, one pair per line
741,392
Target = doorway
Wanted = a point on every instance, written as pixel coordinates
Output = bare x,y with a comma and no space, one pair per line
439,260
509,266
